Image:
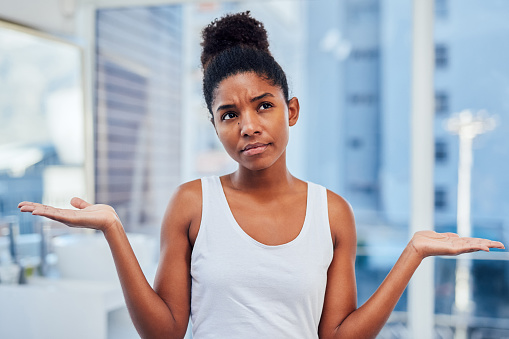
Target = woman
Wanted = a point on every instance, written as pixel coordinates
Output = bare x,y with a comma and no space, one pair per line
257,253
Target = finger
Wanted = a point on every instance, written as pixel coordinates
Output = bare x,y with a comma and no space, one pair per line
488,243
25,203
79,203
482,244
58,214
42,210
31,207
452,235
496,244
27,208
472,249
469,248
484,248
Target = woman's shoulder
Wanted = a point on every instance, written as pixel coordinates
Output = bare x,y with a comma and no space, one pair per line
335,202
185,201
341,218
189,190
338,207
338,203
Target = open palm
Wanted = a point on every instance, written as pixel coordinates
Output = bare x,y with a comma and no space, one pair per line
429,243
99,217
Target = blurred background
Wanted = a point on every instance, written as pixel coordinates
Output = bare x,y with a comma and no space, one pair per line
102,99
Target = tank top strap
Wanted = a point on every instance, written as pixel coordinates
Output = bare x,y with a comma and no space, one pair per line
211,194
212,212
319,212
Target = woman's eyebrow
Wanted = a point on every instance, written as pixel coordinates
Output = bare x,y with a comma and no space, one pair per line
230,106
262,96
225,107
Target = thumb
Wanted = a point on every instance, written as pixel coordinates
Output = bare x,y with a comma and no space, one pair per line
79,203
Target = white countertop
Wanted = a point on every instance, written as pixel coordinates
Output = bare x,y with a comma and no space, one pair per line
53,309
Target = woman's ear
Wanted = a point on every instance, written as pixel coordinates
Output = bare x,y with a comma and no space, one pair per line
293,111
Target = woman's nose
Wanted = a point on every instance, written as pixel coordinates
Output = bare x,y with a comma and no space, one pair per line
250,124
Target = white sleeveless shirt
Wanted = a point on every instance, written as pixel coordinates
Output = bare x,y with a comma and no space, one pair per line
242,288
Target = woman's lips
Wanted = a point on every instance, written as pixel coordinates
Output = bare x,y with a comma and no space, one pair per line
254,149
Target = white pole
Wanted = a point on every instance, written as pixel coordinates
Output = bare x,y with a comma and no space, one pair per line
467,126
85,30
464,180
421,295
462,292
188,123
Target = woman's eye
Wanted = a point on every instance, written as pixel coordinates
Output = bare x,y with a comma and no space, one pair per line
229,115
266,105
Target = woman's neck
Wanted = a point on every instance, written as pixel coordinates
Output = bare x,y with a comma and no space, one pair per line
275,178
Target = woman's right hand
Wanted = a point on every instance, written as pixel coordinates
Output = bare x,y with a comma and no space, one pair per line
100,217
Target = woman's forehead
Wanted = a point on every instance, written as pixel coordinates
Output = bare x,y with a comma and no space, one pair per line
245,86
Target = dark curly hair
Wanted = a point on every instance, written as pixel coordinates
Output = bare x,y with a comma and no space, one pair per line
237,43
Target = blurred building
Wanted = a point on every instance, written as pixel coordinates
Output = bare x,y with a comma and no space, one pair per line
359,82
358,79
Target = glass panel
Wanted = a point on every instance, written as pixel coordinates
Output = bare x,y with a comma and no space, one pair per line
42,144
471,184
138,112
375,92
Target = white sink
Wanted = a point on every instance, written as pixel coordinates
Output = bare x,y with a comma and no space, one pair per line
88,257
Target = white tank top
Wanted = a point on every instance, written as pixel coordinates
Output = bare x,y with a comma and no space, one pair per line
242,288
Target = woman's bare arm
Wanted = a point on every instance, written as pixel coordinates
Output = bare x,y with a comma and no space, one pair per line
162,312
341,318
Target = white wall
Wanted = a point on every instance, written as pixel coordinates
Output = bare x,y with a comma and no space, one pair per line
53,16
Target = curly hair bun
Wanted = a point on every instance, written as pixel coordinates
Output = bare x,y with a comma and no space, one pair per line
233,30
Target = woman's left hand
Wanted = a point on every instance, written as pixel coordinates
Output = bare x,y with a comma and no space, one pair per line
430,243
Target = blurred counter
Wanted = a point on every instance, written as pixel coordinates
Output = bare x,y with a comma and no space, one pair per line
54,309
86,302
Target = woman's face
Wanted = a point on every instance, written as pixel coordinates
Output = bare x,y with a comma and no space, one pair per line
252,120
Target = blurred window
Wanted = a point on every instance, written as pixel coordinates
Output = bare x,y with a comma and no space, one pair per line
440,151
365,54
355,143
441,102
138,112
363,99
440,198
441,56
441,9
472,302
42,133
